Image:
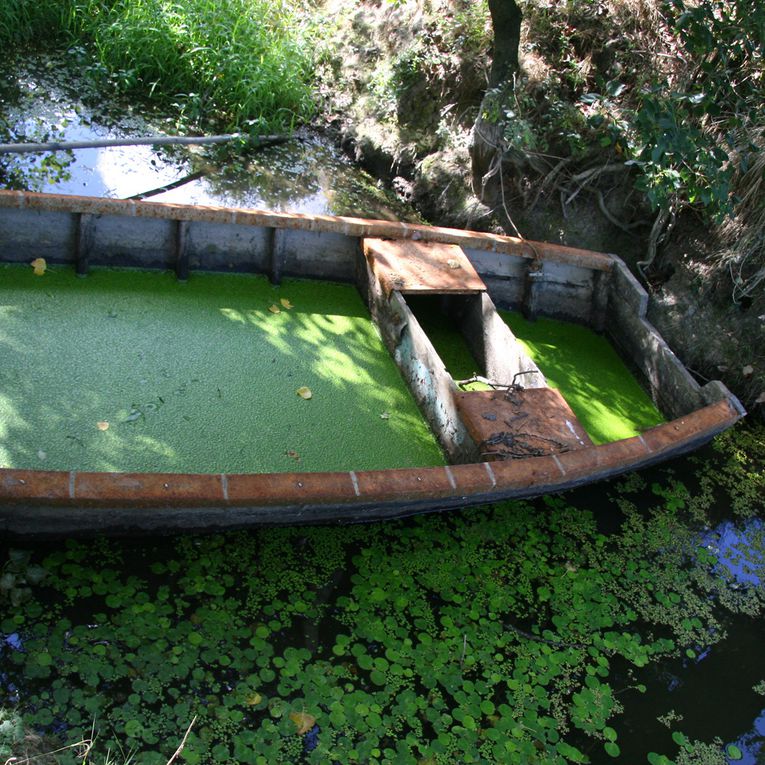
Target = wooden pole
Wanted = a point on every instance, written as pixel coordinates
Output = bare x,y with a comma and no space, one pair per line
24,148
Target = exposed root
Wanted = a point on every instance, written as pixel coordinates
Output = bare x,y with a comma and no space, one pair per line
660,231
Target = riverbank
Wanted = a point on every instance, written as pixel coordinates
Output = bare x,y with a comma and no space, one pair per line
402,85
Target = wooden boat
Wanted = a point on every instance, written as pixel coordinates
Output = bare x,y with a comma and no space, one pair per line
389,262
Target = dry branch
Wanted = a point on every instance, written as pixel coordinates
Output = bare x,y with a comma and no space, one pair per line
165,140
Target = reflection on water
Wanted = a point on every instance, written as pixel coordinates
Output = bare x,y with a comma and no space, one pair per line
739,551
307,175
752,744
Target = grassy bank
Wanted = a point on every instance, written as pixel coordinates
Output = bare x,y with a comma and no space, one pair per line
239,64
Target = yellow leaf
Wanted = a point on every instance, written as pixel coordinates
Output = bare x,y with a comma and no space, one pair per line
103,425
453,263
286,303
274,309
304,392
253,699
39,266
303,721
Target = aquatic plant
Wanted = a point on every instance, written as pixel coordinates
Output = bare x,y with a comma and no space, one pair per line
516,633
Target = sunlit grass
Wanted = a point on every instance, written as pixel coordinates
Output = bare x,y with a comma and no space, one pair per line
236,63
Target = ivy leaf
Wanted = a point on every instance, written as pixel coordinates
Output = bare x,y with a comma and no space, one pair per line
39,266
303,721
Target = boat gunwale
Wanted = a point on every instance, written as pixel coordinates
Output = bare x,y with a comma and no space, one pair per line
353,227
332,496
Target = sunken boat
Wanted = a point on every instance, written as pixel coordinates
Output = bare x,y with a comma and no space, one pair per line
503,433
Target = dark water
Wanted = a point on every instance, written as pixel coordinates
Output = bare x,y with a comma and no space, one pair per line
712,692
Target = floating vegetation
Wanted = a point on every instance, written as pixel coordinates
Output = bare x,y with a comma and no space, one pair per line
515,633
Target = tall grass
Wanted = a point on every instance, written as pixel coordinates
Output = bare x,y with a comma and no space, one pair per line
237,63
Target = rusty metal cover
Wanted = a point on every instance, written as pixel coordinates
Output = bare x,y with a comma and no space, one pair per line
417,267
514,424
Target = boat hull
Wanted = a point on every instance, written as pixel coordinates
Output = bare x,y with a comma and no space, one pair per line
592,288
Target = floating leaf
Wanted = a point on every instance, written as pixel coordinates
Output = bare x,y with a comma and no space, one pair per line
385,416
42,455
292,453
304,392
286,303
733,752
303,721
274,308
612,749
134,415
254,699
103,425
39,266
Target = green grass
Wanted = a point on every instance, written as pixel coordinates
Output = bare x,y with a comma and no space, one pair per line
595,382
197,377
240,64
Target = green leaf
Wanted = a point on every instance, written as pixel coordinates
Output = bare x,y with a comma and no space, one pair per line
733,752
612,749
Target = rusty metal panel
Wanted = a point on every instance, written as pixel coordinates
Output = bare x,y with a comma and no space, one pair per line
521,423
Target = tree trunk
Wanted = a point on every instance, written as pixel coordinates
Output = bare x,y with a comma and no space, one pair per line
506,21
487,147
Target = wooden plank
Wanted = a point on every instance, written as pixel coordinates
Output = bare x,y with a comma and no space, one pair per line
422,267
515,424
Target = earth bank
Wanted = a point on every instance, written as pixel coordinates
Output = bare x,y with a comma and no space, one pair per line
402,85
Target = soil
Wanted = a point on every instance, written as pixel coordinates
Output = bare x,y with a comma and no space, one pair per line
427,162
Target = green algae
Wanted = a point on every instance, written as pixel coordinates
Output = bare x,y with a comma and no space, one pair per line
197,377
595,382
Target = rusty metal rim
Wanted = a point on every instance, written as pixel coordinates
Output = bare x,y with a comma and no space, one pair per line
356,227
31,488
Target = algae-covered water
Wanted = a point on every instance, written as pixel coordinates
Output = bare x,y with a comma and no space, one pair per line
134,371
599,387
583,365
